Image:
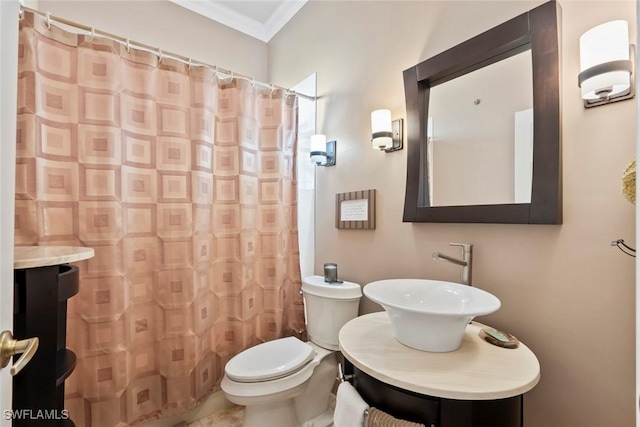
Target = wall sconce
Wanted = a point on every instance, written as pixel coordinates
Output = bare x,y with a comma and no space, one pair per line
606,64
386,135
323,153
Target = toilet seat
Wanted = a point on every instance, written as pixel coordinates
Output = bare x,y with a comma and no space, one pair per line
270,360
288,384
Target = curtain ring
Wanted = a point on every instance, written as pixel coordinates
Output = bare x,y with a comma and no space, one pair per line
189,64
92,35
21,15
128,45
160,56
231,77
253,82
215,71
48,20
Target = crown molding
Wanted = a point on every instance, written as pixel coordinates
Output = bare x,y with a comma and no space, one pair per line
281,16
261,31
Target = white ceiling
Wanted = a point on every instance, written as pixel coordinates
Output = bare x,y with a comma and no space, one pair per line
260,19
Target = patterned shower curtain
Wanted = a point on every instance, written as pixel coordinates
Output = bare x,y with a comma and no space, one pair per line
184,184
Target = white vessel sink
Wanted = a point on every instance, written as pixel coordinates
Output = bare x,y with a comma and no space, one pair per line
430,315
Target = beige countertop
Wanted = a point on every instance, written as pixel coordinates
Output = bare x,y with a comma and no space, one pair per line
42,256
476,371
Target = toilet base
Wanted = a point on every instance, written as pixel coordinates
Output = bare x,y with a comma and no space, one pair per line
304,405
280,414
314,400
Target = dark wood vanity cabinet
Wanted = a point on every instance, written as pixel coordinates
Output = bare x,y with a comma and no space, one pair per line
40,310
434,411
400,403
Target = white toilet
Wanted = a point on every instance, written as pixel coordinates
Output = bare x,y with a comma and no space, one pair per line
287,382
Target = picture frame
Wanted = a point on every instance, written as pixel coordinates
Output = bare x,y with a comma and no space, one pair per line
356,210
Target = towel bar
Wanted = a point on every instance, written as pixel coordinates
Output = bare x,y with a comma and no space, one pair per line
342,377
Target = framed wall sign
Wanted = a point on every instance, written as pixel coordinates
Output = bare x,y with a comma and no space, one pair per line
356,210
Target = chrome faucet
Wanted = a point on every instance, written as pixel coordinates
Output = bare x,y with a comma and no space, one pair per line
465,262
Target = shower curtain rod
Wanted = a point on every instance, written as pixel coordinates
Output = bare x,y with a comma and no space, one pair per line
91,31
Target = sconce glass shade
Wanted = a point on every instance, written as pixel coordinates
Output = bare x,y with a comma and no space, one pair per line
381,132
605,44
318,149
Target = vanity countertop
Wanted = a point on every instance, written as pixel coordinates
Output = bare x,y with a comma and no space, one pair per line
476,371
42,256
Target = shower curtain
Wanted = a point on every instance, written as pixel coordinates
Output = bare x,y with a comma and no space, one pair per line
184,184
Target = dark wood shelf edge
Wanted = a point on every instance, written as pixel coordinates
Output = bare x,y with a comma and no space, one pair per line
65,364
68,282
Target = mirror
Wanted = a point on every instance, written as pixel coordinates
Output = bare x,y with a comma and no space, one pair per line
488,160
483,127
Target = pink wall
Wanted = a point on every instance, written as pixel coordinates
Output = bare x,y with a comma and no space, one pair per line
565,292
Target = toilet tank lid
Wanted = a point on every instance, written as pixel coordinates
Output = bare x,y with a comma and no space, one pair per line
315,285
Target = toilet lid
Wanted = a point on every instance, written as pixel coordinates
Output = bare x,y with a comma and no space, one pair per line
269,360
315,285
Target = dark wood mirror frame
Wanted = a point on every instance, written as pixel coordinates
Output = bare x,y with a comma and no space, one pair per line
537,30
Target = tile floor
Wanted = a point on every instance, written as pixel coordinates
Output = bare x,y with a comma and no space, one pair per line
233,417
226,418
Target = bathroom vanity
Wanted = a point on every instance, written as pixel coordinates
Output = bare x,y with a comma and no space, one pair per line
43,282
478,385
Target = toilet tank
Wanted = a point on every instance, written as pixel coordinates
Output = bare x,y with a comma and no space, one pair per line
327,307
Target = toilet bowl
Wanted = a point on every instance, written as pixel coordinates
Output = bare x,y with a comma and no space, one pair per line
288,382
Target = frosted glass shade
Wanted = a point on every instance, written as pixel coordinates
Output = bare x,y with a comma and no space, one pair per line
381,134
603,44
318,149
